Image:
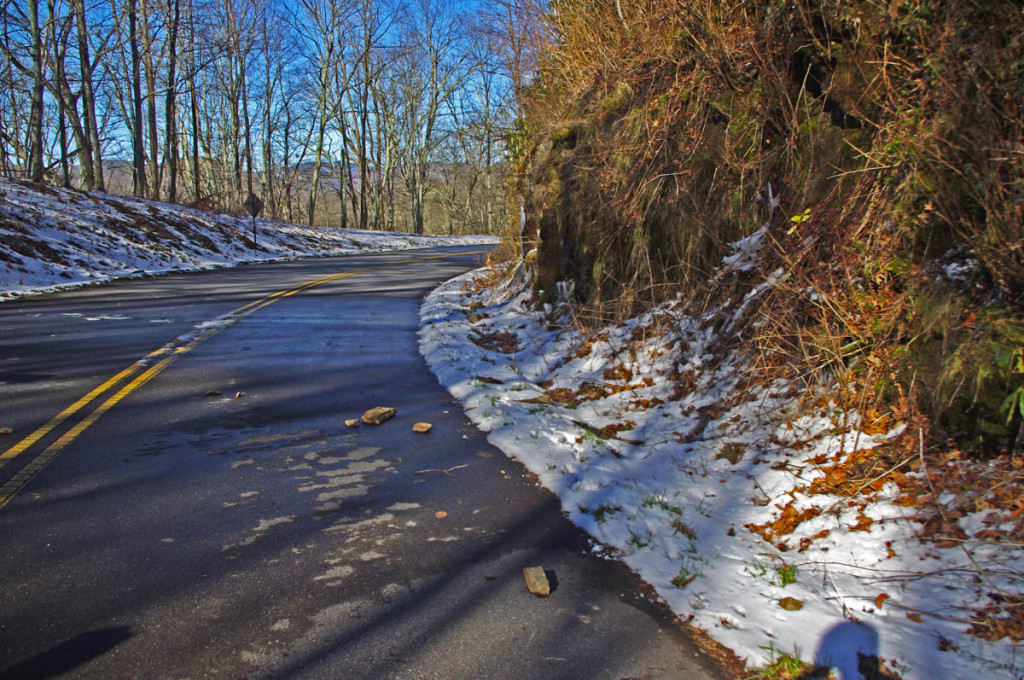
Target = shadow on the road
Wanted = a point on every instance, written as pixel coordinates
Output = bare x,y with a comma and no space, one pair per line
425,617
552,579
68,655
191,540
453,585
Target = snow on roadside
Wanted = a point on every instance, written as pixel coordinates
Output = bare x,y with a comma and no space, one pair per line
688,469
53,238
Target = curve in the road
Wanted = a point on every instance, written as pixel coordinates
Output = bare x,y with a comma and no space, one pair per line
169,352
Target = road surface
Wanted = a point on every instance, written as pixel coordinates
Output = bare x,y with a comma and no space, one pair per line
205,512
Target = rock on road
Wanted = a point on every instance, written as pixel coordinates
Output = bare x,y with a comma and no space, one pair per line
217,518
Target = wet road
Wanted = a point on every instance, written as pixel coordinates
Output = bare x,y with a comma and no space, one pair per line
209,514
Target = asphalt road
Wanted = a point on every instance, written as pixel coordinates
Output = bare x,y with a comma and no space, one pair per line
211,515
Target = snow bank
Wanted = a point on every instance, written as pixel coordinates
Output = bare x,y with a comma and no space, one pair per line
695,473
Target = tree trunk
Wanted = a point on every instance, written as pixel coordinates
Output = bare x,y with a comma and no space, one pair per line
62,128
139,185
271,80
35,126
149,68
247,122
89,145
391,203
318,157
321,132
67,103
6,125
286,162
417,193
364,119
196,169
171,105
347,175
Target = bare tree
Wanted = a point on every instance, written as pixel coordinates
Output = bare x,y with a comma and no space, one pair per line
436,65
276,54
139,183
517,35
61,89
36,168
91,146
321,26
16,20
386,149
171,100
151,59
192,78
337,115
10,142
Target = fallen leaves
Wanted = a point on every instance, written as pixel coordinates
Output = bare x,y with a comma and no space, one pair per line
731,451
789,519
645,404
992,487
619,372
791,604
607,432
1003,618
591,391
585,349
863,521
876,423
867,470
505,343
807,541
561,395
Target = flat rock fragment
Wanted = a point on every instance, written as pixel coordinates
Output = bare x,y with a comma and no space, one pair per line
537,581
377,415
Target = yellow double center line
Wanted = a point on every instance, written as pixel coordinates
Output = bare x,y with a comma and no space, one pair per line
169,353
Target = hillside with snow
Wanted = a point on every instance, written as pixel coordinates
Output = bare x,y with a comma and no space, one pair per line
756,508
53,238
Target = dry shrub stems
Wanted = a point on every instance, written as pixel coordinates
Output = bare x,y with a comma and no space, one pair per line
882,143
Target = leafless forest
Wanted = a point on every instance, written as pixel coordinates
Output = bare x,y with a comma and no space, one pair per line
372,114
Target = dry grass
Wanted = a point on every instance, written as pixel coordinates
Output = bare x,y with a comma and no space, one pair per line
880,142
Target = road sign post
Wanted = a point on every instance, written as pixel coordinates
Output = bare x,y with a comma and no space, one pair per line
254,206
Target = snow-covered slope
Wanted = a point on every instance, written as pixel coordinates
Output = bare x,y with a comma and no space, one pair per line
731,494
52,238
